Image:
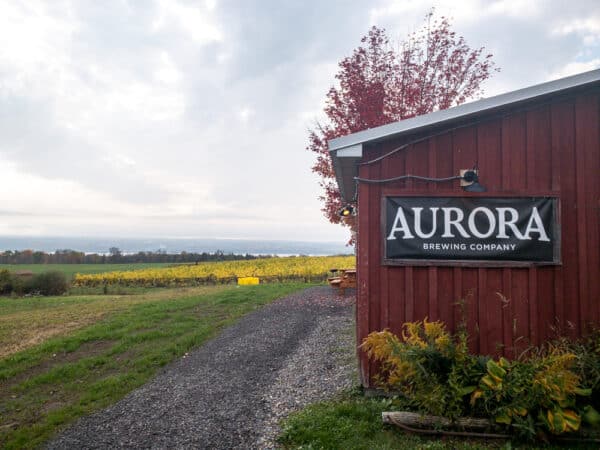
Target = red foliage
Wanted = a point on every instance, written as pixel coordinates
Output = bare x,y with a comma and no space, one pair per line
433,69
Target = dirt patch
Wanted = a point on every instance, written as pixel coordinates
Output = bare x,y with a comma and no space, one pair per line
126,356
42,335
9,426
212,311
33,324
86,350
52,405
57,399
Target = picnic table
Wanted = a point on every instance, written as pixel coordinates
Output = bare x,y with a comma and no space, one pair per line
342,279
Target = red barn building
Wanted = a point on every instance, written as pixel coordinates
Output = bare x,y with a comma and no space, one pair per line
524,255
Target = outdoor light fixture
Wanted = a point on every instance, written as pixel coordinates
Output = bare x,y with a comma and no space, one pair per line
347,211
469,180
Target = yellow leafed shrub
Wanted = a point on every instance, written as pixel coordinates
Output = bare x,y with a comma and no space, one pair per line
544,391
248,281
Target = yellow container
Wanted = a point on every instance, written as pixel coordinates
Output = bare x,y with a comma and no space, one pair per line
248,280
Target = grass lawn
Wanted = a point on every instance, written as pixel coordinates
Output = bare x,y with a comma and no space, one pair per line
352,421
86,352
30,321
71,269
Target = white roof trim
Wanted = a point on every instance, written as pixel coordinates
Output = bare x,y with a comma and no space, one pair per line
435,118
354,151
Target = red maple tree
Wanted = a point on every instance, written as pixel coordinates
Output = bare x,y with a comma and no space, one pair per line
432,69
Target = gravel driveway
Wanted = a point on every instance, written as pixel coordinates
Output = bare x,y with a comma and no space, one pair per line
231,392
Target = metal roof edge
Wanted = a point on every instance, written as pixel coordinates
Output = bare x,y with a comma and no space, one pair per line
464,110
338,178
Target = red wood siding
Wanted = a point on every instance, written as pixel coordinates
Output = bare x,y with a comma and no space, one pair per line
549,149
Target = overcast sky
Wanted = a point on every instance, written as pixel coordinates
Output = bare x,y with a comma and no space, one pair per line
189,118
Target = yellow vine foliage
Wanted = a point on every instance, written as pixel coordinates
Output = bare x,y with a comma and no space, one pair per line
277,269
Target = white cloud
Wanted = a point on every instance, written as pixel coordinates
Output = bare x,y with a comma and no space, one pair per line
530,9
197,22
39,196
37,205
574,68
586,26
118,160
33,43
30,35
167,71
410,14
139,101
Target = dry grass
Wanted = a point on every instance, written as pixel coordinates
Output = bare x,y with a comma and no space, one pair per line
28,322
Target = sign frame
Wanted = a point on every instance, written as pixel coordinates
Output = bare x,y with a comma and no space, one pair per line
429,262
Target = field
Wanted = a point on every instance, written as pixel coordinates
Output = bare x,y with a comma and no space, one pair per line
65,357
71,269
306,268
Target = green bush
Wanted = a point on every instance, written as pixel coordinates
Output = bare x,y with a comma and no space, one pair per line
551,389
12,284
48,283
6,282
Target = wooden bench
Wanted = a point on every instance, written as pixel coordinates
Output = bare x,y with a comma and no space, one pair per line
346,279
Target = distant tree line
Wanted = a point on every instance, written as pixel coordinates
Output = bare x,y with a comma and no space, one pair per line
115,256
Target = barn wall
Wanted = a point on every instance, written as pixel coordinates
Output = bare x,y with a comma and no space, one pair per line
546,149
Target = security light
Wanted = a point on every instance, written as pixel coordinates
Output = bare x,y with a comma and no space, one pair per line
470,181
